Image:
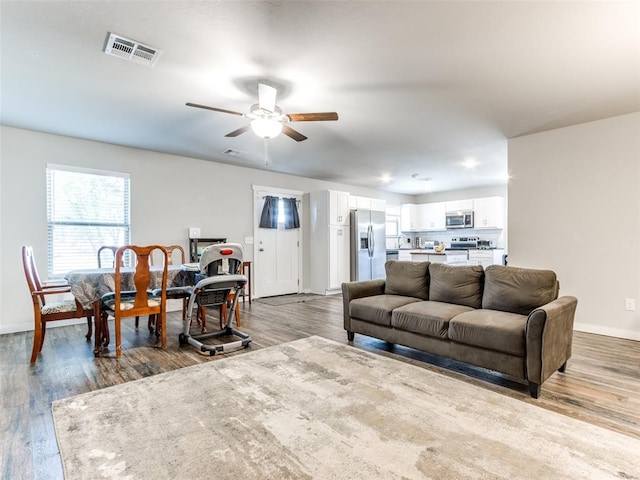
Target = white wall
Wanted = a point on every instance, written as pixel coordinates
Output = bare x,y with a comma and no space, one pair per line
169,193
574,207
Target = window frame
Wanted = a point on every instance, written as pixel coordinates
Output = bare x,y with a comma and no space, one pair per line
52,223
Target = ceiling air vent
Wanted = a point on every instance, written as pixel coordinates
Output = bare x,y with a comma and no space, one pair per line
127,49
232,153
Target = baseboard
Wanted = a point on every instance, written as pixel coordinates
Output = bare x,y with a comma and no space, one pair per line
607,331
26,327
172,306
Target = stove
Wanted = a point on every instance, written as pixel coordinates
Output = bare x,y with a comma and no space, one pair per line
463,243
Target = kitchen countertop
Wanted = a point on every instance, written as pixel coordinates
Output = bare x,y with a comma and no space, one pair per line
424,251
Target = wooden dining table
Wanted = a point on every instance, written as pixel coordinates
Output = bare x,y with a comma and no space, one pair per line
89,285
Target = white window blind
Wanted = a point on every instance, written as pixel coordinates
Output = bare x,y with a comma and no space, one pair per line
85,210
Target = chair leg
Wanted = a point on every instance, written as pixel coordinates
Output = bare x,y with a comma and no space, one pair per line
118,337
137,322
223,314
97,318
202,315
44,332
162,318
152,323
89,328
105,329
224,311
37,340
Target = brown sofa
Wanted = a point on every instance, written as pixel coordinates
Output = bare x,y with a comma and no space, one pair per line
506,319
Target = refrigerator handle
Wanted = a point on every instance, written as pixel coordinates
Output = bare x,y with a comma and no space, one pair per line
371,245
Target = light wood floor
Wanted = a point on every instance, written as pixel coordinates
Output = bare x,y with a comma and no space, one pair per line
601,384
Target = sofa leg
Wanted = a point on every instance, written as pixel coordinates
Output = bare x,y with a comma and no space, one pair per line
534,389
563,367
350,336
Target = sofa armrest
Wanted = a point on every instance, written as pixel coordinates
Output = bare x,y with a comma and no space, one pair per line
548,335
353,290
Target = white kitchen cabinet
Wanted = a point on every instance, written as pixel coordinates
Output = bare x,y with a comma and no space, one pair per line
378,205
424,217
486,257
367,203
457,257
459,205
432,217
329,241
428,257
488,212
409,217
338,203
404,255
339,258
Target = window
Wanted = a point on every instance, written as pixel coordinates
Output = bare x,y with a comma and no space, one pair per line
393,221
85,210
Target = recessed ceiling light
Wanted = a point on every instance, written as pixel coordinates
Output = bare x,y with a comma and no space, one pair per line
385,178
470,163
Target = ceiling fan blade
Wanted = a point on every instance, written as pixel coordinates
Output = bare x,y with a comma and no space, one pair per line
312,117
237,132
214,109
290,132
267,97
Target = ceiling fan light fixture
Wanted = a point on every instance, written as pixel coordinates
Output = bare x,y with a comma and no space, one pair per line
266,128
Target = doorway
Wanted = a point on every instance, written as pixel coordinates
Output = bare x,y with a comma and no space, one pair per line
276,251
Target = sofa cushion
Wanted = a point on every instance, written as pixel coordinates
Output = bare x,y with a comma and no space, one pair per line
377,309
410,279
518,290
461,285
426,318
491,329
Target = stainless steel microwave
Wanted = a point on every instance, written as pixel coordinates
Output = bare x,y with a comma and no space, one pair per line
460,219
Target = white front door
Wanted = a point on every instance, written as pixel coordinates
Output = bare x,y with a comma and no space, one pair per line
276,251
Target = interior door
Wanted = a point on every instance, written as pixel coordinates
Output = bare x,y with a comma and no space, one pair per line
276,252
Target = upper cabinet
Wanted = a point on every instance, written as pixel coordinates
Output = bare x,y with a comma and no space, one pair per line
488,212
367,203
423,218
459,206
338,208
433,217
408,217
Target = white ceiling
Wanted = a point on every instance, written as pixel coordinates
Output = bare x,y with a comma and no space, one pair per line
419,86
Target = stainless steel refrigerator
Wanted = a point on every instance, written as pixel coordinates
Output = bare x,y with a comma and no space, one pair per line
368,244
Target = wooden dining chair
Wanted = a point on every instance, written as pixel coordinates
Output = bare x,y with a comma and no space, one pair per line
112,256
173,293
48,311
136,300
175,248
178,293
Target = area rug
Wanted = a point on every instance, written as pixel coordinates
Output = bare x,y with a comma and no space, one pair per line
289,299
317,409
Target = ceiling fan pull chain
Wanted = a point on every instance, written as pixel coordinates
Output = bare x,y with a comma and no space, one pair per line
266,152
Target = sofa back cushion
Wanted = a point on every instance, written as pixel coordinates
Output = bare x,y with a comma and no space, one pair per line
461,285
409,279
518,290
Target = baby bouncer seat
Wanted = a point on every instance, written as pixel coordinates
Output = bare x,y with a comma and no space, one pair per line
217,278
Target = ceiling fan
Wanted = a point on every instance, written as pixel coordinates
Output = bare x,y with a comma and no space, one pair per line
267,119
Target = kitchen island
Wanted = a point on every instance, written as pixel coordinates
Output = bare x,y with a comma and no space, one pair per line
427,255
